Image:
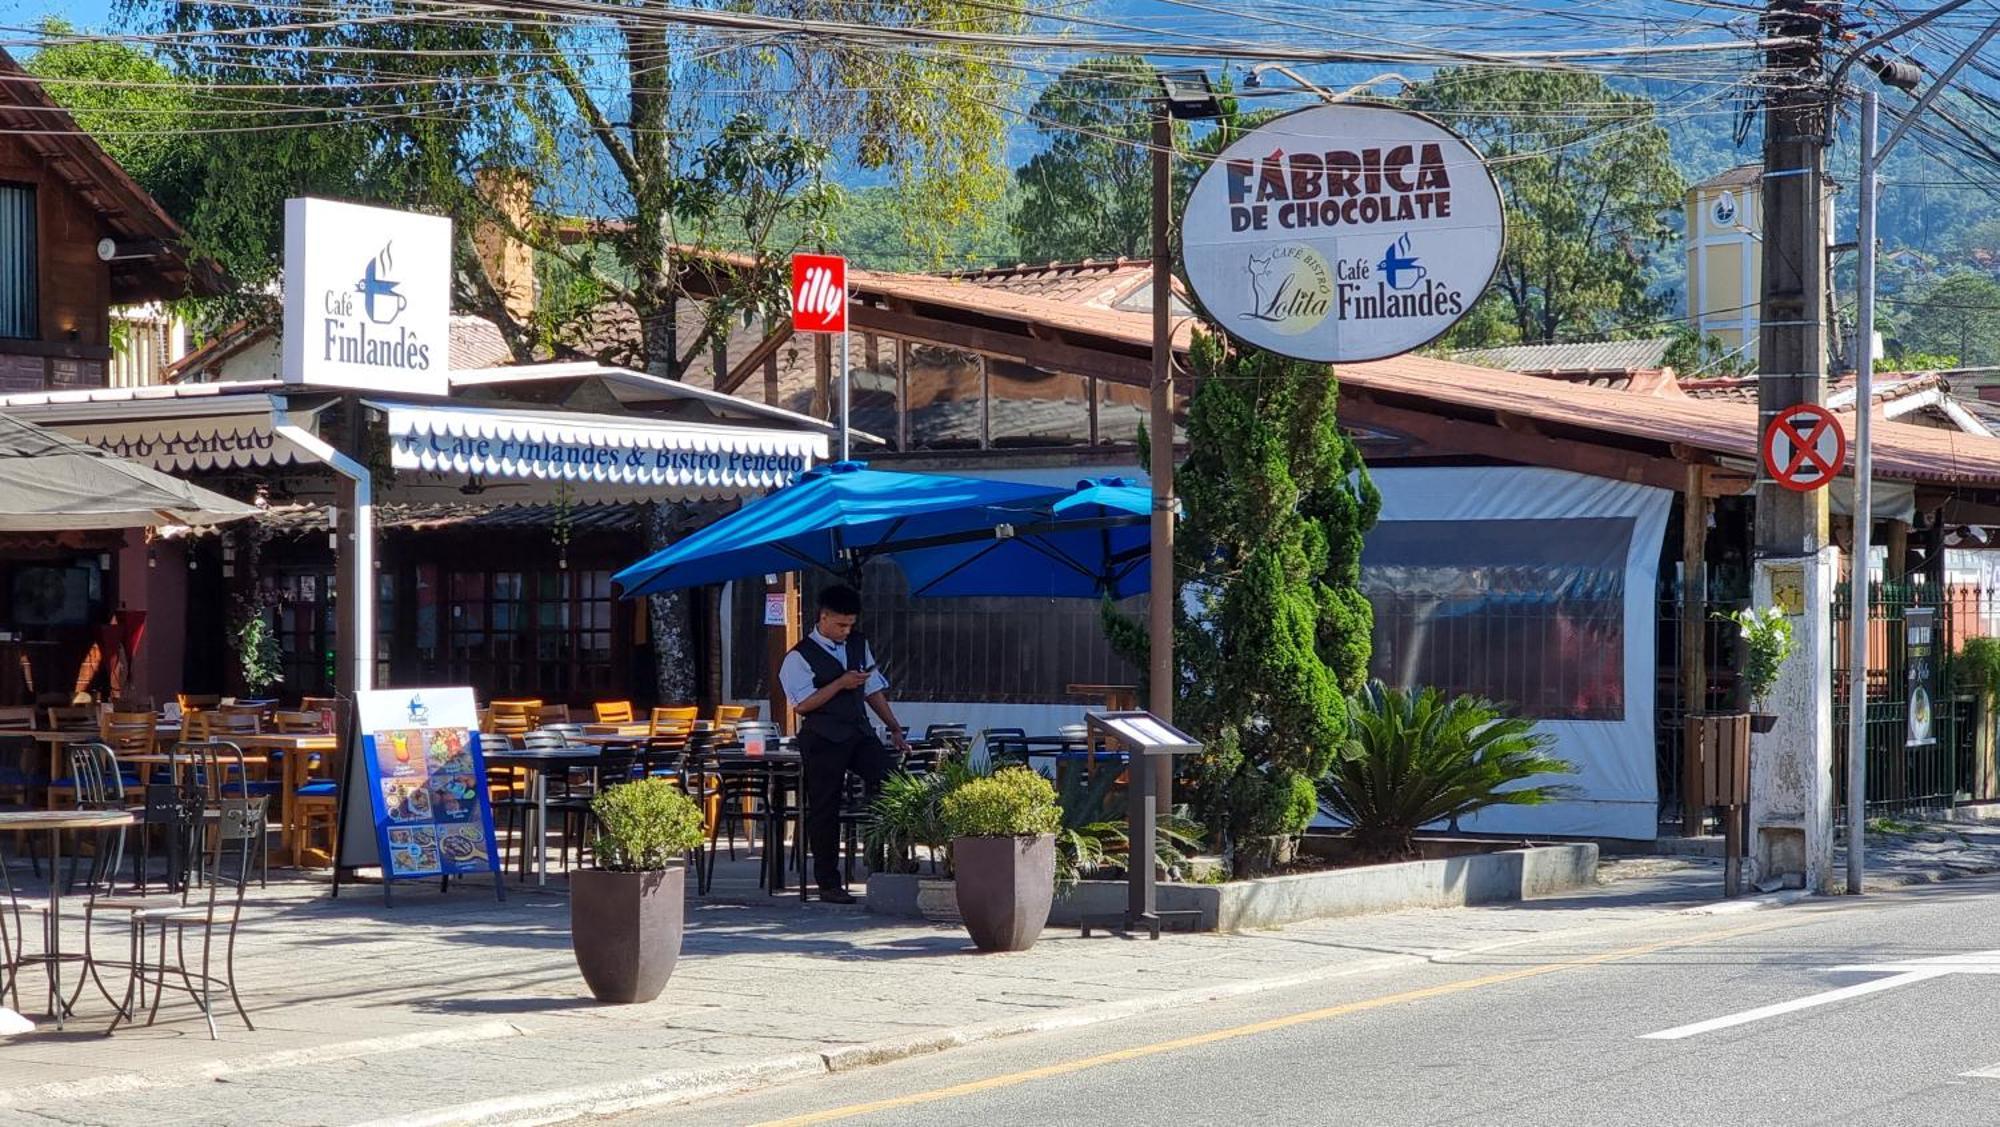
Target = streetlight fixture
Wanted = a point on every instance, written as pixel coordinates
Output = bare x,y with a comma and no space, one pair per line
1256,82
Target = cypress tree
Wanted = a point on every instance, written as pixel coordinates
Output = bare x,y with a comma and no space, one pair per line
1273,631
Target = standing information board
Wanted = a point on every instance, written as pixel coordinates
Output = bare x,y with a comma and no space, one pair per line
421,766
1920,662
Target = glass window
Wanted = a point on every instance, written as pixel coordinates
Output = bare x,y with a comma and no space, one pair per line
1003,651
20,305
1528,613
1031,407
944,398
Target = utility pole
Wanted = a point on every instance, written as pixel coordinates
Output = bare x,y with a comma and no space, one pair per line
1160,613
1791,799
1902,76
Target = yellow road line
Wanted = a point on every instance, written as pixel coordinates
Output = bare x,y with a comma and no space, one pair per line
1067,1067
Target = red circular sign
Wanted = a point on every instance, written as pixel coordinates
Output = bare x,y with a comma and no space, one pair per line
1804,447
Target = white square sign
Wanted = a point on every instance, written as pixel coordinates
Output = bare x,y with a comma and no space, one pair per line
367,298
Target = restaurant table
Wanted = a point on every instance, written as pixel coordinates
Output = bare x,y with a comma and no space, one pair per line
537,762
55,822
297,748
772,765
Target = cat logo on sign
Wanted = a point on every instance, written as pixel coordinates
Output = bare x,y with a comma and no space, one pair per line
1804,447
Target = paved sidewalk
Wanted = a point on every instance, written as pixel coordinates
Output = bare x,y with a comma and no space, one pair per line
452,1008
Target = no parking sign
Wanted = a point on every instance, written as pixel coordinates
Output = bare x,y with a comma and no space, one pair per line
1804,447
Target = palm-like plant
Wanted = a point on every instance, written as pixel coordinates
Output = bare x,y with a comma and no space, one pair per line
1413,758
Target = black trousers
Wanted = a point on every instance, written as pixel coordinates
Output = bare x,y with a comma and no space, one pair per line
826,764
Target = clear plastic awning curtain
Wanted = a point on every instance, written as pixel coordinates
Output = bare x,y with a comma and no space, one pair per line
1535,588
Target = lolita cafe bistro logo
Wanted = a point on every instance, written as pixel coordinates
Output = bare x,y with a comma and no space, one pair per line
359,319
1343,233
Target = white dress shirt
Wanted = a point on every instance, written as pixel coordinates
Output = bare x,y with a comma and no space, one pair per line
795,674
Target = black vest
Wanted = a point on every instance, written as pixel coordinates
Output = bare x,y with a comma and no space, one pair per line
844,718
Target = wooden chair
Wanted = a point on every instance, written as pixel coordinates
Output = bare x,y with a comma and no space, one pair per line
298,723
514,717
671,720
198,702
726,716
613,711
550,714
316,807
750,712
20,718
73,717
130,733
234,720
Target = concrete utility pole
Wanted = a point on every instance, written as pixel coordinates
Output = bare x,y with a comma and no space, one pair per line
1791,788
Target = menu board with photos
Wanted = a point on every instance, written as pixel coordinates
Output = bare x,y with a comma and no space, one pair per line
425,778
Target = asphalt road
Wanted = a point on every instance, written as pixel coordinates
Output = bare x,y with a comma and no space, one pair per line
1549,1034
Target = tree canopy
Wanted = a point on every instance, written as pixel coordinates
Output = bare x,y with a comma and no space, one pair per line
1954,317
1088,192
1591,194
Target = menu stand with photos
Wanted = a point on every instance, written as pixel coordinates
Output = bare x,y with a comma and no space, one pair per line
422,768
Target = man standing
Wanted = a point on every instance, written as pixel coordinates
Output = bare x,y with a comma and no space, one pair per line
828,677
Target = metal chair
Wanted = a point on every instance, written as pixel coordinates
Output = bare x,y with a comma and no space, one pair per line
223,909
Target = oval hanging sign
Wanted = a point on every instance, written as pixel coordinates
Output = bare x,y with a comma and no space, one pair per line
1342,233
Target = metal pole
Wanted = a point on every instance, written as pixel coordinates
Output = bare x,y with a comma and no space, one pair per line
1864,513
1160,617
846,400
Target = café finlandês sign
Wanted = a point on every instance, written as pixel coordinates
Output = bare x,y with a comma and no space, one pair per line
367,298
1343,233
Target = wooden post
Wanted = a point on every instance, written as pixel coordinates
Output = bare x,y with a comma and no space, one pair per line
1694,632
902,395
822,404
771,393
781,641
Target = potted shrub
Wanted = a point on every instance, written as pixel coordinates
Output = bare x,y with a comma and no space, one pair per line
625,914
1003,855
1411,759
1767,644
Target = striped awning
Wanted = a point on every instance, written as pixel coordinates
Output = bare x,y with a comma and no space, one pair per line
617,454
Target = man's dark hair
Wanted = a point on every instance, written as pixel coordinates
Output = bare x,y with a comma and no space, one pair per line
840,599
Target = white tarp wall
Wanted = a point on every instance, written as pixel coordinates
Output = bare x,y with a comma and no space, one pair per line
1535,588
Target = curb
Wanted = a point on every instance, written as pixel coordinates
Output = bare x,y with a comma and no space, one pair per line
688,1085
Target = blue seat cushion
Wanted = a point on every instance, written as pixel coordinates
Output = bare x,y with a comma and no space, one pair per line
70,784
255,787
318,788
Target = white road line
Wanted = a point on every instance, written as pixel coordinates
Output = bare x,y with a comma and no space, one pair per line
1796,1004
1990,1072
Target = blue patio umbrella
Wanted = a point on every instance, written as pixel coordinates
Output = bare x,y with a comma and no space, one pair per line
1096,541
835,517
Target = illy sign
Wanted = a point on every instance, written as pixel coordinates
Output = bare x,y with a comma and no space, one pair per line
1343,233
819,293
367,298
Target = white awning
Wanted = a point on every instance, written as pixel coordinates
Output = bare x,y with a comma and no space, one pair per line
616,454
174,429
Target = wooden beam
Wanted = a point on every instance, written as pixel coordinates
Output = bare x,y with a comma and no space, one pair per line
902,395
1444,435
1717,481
767,349
1056,356
1694,634
772,394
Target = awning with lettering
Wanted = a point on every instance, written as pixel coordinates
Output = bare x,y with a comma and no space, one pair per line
607,454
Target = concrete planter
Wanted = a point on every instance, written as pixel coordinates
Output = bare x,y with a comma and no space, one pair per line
1005,888
1497,877
937,900
626,930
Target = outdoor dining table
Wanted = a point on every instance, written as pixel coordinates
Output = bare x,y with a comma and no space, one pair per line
298,747
774,766
537,762
55,822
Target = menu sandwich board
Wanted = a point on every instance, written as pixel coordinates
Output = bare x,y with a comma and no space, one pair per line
423,770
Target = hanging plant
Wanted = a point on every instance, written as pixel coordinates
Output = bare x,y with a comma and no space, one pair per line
564,523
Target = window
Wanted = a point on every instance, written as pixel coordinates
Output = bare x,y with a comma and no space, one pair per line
19,306
1529,613
542,634
963,651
